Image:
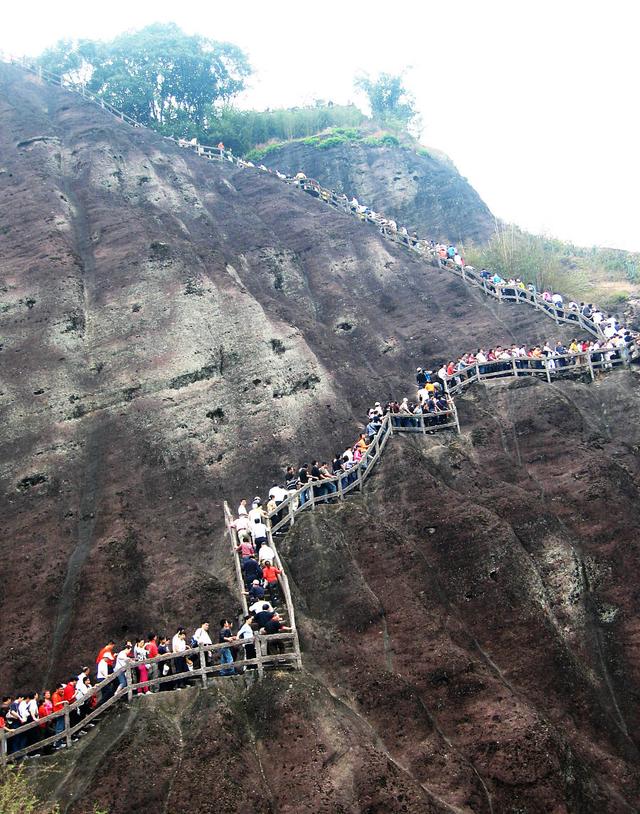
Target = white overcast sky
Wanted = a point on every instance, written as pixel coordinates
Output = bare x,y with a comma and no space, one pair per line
536,102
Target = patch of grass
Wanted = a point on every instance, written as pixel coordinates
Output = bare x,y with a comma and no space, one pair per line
386,140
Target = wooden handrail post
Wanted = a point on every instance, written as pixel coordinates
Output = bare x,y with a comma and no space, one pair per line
590,363
455,415
290,510
422,422
67,724
3,748
546,367
514,366
127,672
203,664
258,644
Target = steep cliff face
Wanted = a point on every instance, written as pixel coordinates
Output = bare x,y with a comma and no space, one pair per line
422,192
173,332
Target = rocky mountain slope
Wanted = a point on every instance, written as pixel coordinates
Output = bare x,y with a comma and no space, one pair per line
172,332
423,192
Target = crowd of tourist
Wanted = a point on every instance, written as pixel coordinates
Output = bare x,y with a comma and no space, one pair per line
321,479
448,255
553,356
94,686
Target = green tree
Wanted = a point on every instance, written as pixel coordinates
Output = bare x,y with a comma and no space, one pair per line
158,75
391,103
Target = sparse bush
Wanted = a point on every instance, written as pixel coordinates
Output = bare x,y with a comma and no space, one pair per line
386,140
17,797
551,263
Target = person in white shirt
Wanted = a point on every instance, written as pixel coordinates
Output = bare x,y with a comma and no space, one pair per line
83,688
242,508
201,635
32,706
83,674
241,526
260,605
178,646
256,512
258,532
266,553
123,659
278,495
103,669
245,635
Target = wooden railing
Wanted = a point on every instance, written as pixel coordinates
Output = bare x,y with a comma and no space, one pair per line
283,580
69,728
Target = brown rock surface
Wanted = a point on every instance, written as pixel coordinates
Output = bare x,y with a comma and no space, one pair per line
172,332
425,193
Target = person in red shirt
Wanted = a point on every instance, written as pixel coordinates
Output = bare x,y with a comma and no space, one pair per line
45,709
69,692
270,574
58,704
151,646
70,697
108,648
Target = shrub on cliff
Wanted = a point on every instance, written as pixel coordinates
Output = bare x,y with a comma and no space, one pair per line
17,797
